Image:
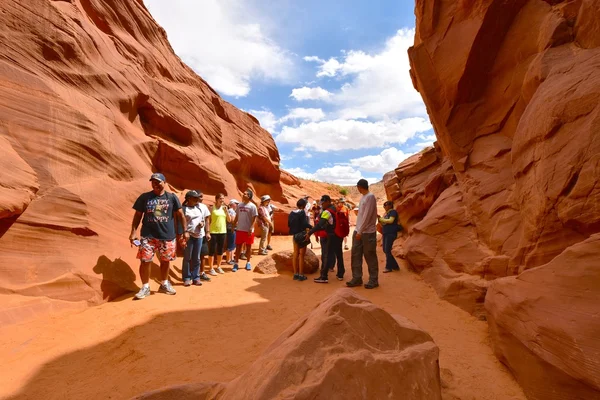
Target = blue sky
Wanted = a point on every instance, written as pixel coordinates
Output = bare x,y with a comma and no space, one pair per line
328,79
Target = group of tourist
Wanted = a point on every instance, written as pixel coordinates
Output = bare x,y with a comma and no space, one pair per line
228,229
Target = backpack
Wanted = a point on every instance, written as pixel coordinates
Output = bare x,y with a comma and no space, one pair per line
342,224
296,221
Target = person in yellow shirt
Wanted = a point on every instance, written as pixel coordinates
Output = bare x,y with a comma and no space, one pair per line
218,233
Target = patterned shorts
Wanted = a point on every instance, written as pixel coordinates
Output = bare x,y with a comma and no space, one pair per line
165,248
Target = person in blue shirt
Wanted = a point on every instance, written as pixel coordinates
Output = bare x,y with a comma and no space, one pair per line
389,224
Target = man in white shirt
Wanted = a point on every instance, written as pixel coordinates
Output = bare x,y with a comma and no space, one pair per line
364,239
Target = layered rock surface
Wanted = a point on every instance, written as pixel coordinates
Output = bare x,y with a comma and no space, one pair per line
347,348
512,90
92,101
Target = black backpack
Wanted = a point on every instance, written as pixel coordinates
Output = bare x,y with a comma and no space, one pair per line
296,221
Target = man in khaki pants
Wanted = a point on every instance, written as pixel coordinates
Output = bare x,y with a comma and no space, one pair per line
364,239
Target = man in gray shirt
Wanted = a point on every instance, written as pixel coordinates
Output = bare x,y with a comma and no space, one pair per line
244,223
364,239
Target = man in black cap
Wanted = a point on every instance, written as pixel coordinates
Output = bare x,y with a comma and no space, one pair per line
326,223
364,239
157,210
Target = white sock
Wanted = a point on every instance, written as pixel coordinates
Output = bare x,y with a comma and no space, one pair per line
165,282
146,286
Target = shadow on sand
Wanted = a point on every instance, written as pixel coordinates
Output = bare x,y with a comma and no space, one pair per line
171,348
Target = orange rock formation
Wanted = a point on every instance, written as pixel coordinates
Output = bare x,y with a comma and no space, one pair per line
92,101
346,348
512,90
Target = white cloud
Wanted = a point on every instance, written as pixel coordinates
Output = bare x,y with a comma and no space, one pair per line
306,93
305,114
222,42
380,85
387,160
351,134
300,173
339,174
266,118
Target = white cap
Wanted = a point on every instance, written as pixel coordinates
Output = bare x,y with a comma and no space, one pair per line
234,201
265,197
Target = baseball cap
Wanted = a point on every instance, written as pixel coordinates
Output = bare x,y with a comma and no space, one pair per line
325,197
234,201
363,183
266,197
193,193
158,177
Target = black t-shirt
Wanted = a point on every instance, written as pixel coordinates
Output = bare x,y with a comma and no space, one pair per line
393,227
158,221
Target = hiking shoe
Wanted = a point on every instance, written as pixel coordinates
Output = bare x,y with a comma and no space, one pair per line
269,247
167,288
197,282
212,272
248,267
220,270
321,280
144,292
235,268
243,257
204,277
296,277
371,285
187,282
354,282
302,278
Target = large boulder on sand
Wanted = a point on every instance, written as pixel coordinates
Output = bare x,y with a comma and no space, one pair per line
282,261
346,348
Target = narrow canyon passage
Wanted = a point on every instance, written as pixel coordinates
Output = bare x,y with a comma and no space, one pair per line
214,332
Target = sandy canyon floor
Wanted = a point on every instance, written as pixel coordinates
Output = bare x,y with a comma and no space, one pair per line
212,333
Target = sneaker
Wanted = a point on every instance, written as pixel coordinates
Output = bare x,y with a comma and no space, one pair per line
212,272
302,278
144,292
243,257
231,262
204,277
340,278
167,288
321,280
371,285
197,282
263,253
296,277
220,270
187,282
354,282
235,268
269,247
248,267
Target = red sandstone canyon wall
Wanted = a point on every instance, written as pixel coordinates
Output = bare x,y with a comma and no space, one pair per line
92,101
506,208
